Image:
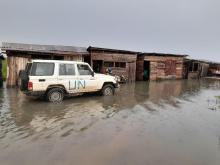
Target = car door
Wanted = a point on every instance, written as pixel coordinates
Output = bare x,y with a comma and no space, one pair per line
86,81
67,77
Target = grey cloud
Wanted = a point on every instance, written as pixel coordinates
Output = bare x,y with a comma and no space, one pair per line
172,26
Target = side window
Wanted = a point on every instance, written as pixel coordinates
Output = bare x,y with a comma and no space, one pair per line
120,64
28,68
84,69
67,69
108,64
42,69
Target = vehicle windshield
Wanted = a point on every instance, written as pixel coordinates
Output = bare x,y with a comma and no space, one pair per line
84,69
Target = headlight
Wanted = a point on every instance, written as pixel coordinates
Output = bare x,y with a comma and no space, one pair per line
117,78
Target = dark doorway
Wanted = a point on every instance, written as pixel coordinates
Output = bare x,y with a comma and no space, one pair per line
97,66
87,59
57,57
146,73
46,57
41,57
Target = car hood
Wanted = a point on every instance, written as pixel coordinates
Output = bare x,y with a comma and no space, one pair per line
99,75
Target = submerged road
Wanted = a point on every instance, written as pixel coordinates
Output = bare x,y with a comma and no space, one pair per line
156,123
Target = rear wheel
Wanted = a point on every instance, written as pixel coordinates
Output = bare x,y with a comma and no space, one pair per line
55,95
108,90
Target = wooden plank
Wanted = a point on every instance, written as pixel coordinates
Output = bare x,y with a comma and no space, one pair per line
159,58
113,57
129,72
15,64
139,70
73,58
170,68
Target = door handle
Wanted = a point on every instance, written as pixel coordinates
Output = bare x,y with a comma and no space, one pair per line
42,80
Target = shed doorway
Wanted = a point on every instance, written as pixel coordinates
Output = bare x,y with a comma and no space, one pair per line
87,59
146,73
98,66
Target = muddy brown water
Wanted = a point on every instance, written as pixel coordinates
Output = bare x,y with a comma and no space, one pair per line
157,123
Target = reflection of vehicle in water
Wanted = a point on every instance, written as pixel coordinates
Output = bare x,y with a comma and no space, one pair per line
56,79
217,72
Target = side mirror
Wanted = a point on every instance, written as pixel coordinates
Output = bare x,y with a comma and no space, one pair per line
93,73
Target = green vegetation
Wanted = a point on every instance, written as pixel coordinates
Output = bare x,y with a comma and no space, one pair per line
218,97
4,69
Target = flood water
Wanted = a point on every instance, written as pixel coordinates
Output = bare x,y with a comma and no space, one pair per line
156,123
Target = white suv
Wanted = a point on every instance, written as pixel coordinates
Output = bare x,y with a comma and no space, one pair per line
55,79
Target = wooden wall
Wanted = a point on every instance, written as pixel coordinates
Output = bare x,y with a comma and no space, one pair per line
129,72
17,62
73,58
201,72
161,67
140,68
193,75
205,68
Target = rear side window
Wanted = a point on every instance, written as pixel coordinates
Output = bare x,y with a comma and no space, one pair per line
84,69
67,69
28,68
42,69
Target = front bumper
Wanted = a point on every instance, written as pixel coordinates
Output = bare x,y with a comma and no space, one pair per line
116,85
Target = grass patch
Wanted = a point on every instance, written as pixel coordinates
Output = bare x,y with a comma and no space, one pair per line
217,97
4,69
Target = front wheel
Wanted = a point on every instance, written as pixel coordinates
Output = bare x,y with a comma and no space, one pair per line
108,90
55,95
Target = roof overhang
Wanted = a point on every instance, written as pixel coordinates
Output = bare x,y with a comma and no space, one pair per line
98,49
202,61
163,54
49,49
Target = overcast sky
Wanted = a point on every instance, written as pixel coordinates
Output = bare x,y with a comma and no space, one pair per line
169,26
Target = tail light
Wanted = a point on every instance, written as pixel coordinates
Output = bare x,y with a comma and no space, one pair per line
30,86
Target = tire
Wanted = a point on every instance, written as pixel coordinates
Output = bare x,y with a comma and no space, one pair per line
23,80
108,90
55,95
23,75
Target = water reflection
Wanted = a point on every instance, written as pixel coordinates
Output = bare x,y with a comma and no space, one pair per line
22,117
144,122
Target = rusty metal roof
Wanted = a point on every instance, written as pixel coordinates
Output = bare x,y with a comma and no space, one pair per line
90,48
163,54
55,49
203,61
